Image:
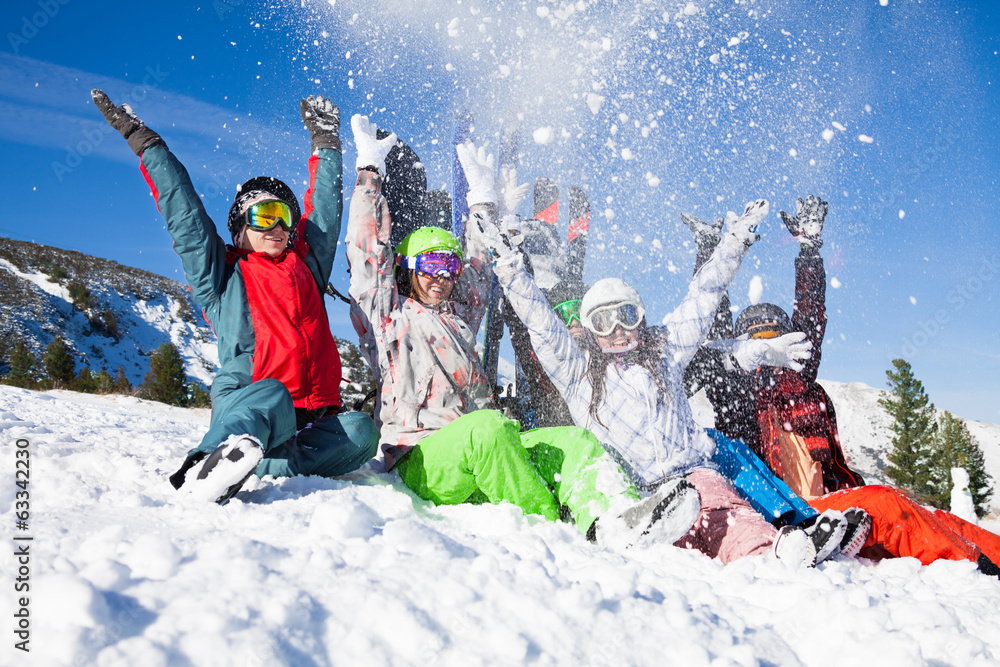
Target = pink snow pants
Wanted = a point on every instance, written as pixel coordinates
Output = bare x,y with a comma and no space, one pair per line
727,527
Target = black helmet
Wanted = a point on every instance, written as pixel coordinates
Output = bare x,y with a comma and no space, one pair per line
566,290
762,315
254,189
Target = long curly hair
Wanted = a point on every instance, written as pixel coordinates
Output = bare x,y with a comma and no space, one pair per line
649,355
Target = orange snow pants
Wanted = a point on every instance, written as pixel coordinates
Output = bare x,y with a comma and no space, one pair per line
901,527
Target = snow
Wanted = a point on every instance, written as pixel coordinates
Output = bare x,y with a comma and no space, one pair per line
150,323
865,138
961,498
756,289
594,102
357,570
543,136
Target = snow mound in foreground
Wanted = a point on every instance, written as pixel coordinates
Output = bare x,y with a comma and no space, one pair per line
311,571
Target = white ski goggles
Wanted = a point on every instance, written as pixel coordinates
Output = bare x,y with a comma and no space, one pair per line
603,321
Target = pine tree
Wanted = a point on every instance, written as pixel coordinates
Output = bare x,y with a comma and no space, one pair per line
22,367
80,295
198,396
59,363
121,384
166,381
357,380
957,448
913,425
86,382
105,383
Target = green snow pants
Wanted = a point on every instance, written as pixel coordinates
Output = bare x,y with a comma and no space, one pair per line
482,456
334,445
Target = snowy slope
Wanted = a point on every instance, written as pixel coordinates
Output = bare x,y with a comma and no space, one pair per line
148,310
308,571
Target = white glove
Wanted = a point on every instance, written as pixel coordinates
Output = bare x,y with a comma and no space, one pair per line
490,236
785,351
510,226
745,226
371,150
706,234
480,172
511,194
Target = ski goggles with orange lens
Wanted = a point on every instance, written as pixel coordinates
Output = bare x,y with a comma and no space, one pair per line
766,332
625,315
433,264
569,311
267,215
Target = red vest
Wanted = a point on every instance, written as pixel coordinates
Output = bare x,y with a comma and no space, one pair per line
293,342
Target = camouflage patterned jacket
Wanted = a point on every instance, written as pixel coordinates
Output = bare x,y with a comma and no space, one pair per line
427,372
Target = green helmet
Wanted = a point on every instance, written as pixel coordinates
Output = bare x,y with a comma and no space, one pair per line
429,239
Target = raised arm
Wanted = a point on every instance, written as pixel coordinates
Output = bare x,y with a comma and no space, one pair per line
324,200
688,325
563,361
373,287
473,288
202,252
809,310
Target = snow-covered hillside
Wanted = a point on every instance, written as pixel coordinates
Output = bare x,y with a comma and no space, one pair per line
310,571
130,312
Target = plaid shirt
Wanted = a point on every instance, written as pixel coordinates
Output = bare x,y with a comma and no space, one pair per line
652,433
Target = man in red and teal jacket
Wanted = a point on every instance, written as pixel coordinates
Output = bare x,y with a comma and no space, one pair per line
276,405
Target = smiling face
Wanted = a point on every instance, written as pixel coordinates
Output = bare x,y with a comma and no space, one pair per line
620,340
431,290
273,241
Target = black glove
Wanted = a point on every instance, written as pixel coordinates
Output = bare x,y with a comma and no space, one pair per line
138,136
807,225
322,119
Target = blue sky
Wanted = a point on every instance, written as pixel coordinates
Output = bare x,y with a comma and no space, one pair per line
886,110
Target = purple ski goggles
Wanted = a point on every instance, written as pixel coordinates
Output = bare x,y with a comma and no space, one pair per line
433,264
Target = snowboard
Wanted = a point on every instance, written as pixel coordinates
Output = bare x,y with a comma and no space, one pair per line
404,188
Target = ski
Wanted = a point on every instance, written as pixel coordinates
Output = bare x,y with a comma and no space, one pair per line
541,237
459,184
510,137
579,226
405,192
